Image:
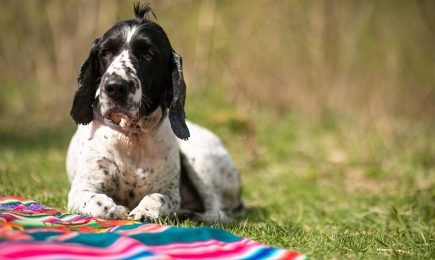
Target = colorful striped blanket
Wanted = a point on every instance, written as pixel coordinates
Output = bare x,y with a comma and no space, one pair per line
31,230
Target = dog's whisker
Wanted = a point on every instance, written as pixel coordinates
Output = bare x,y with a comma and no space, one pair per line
146,100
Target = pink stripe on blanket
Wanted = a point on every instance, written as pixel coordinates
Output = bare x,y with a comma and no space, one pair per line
123,248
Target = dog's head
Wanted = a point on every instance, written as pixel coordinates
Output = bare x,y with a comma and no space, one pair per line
132,71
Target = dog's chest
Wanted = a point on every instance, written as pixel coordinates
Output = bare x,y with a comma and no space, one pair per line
136,182
145,168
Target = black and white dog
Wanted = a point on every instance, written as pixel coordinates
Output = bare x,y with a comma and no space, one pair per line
125,160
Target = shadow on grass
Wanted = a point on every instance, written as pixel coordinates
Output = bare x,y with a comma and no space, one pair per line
255,214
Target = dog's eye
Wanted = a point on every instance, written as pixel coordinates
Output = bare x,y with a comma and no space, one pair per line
145,57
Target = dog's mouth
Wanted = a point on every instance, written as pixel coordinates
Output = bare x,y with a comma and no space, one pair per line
116,117
120,118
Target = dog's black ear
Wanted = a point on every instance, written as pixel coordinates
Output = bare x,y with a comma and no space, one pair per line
177,98
88,80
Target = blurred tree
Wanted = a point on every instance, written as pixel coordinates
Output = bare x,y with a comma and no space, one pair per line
367,57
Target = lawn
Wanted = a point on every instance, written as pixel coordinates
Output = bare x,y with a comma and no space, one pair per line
331,187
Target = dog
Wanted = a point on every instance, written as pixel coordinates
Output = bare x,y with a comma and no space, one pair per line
134,155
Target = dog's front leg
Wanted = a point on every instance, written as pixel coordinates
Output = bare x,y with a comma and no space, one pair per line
156,205
95,204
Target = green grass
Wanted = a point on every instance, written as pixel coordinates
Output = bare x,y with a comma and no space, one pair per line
330,188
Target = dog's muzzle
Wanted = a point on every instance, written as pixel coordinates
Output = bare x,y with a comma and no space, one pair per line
117,89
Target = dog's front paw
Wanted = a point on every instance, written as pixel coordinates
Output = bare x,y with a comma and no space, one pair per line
153,207
144,214
101,206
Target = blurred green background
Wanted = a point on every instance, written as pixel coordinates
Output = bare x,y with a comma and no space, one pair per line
327,107
364,59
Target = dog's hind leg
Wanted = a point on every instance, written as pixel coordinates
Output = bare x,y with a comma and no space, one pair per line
210,169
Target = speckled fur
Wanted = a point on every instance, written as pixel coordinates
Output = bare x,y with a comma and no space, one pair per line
141,170
112,173
213,173
115,176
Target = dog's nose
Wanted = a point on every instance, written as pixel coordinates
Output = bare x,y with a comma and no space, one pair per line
117,90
